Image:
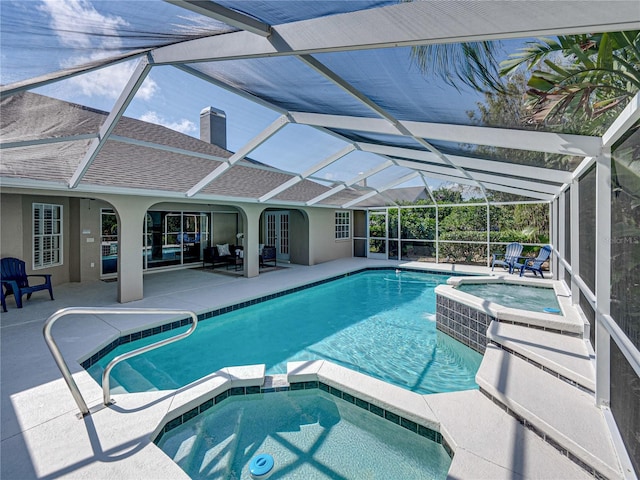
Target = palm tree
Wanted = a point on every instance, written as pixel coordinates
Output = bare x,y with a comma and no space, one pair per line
579,78
471,63
579,82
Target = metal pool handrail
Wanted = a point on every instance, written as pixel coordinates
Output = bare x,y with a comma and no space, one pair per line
64,369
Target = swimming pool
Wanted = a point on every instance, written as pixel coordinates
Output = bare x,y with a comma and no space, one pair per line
309,435
380,323
524,297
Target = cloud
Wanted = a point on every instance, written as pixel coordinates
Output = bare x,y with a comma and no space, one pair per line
110,82
182,126
94,28
96,36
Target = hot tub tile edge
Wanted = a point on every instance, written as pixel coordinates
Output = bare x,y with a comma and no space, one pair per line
395,399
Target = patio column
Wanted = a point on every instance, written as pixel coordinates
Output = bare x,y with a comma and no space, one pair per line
131,213
251,225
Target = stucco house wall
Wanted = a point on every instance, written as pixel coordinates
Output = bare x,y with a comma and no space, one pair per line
312,232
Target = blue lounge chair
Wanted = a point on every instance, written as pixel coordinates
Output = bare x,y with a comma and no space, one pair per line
535,264
15,281
510,256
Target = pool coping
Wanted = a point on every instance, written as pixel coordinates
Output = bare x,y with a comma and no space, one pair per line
42,436
439,415
411,413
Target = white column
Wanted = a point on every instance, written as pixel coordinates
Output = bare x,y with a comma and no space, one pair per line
560,222
553,230
603,274
575,241
251,227
131,213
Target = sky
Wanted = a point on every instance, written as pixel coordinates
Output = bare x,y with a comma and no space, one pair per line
43,36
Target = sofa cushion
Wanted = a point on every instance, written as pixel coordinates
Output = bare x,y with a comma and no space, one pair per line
223,250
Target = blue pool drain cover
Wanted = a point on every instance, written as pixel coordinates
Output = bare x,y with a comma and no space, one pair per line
261,465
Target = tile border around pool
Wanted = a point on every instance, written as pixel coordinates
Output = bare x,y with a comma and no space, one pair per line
93,359
405,423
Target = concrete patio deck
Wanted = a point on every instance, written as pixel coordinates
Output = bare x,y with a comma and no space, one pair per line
43,436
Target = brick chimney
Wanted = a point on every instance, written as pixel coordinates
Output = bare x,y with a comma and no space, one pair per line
213,126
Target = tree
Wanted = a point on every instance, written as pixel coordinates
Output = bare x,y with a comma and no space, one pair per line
447,195
471,63
579,81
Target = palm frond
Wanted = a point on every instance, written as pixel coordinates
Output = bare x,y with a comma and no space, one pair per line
472,64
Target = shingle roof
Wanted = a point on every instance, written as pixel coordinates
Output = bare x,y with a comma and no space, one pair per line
134,157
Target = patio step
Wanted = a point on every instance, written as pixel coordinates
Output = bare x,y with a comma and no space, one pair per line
560,355
563,415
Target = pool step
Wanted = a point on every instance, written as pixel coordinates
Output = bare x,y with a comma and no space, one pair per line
560,355
563,415
129,380
154,374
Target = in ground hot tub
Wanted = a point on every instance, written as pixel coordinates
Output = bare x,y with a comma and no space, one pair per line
467,305
311,433
524,297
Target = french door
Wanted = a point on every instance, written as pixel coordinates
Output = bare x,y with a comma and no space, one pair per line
277,233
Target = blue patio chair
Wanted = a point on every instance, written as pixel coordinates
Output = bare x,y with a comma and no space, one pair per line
4,304
510,257
269,254
535,264
15,280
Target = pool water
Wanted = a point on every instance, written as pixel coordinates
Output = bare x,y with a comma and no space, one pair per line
524,297
310,435
380,323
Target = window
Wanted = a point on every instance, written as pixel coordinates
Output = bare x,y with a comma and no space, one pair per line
342,225
47,235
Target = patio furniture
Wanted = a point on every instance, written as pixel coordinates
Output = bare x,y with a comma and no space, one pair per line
535,264
238,259
268,255
4,304
15,281
218,256
510,257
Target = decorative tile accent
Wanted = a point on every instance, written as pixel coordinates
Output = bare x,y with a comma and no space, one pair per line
550,440
464,323
221,397
392,417
236,391
410,425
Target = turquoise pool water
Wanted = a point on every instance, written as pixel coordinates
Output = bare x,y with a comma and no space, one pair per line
309,435
380,323
524,297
